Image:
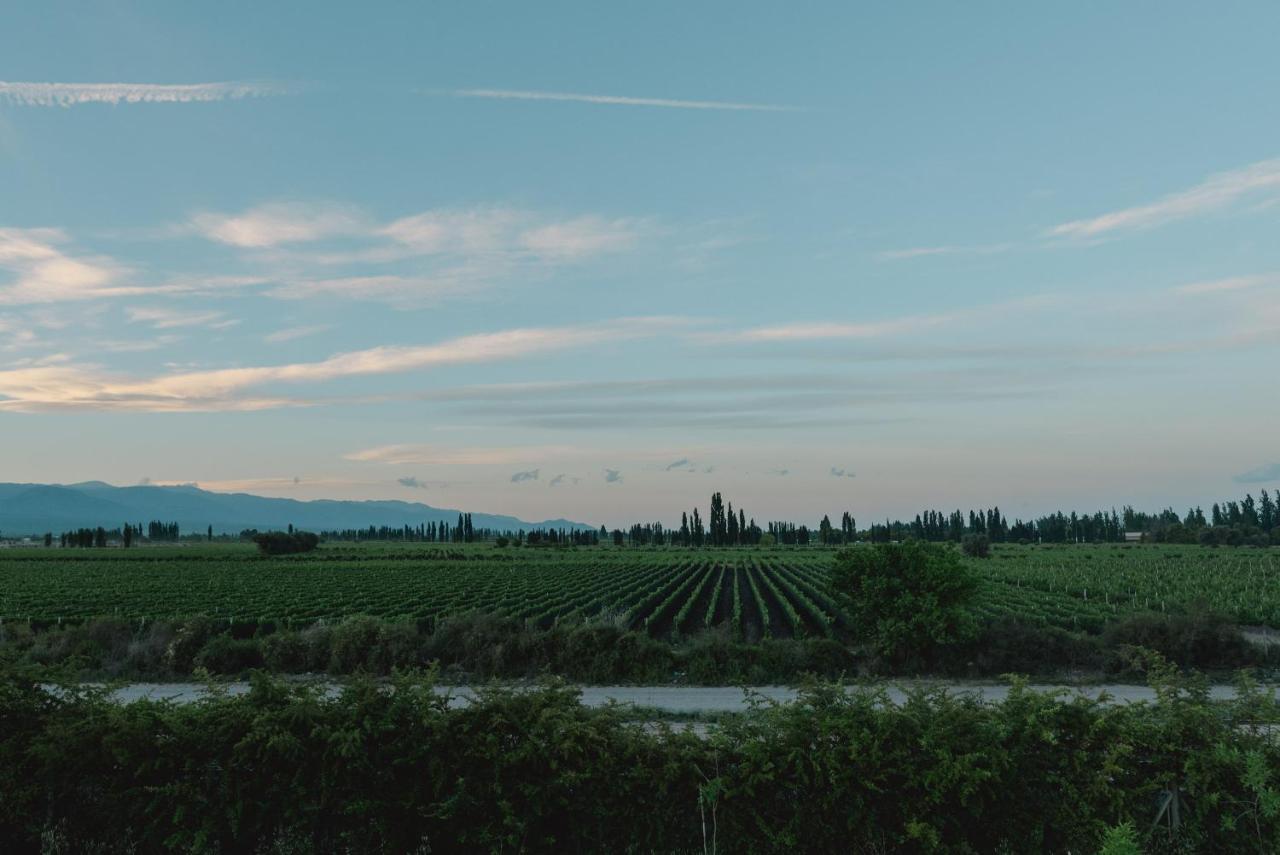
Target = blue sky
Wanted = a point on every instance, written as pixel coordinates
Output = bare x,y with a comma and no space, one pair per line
576,259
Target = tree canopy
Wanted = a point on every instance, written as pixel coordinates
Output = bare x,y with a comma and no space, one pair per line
905,598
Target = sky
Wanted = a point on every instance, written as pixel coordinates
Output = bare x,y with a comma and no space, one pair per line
601,260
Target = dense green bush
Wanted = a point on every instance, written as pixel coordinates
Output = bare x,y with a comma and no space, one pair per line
286,542
976,545
906,599
1201,639
223,654
396,769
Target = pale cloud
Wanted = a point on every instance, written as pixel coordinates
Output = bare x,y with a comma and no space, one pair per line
612,476
1214,193
135,345
453,252
386,288
1231,283
475,231
42,272
164,319
88,387
950,249
901,326
838,472
412,454
682,463
30,94
291,333
837,330
529,475
279,223
618,100
579,238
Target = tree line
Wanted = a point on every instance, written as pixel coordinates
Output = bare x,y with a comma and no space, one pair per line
126,535
1246,521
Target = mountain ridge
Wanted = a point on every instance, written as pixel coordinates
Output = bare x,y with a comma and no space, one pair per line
33,509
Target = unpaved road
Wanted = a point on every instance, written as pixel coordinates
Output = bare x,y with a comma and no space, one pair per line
677,700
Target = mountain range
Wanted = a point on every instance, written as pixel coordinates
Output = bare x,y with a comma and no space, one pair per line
33,509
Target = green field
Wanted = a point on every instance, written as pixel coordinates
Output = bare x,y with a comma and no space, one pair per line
754,593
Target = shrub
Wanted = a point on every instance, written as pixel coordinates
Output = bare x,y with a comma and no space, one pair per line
1201,640
354,644
285,653
906,598
976,545
286,543
226,655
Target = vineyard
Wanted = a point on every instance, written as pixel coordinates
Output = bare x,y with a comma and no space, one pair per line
669,593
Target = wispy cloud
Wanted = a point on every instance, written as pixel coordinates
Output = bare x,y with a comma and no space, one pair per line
1214,193
682,463
452,252
1231,283
561,479
387,288
619,100
43,272
164,319
950,249
832,330
1261,475
529,475
838,472
434,455
87,387
279,223
29,94
612,476
291,333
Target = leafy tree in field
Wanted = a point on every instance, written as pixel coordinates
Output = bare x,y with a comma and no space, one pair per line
905,598
286,543
976,545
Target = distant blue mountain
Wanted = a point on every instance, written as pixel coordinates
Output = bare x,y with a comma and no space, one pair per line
27,509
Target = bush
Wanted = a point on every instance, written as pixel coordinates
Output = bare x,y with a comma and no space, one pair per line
285,653
226,655
906,598
286,543
1200,640
976,545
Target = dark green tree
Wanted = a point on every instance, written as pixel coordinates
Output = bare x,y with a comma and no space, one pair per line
906,598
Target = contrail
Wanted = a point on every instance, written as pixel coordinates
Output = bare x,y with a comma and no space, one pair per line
72,94
524,95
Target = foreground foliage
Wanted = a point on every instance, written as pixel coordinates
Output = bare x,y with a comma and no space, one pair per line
397,768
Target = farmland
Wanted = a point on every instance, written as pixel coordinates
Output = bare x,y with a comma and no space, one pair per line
754,594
